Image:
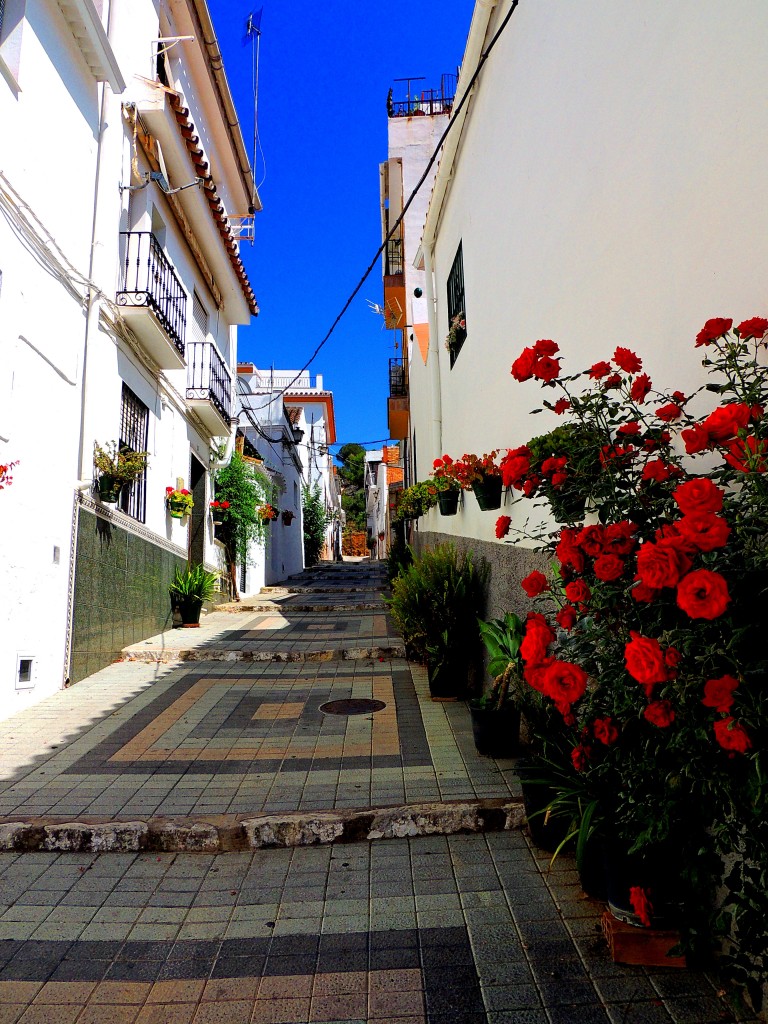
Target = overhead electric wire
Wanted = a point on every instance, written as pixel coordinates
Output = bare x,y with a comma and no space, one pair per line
430,163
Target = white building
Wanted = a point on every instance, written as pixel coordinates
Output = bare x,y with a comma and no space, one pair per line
124,185
383,474
273,434
601,187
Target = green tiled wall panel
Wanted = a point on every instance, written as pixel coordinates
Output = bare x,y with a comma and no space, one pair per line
121,593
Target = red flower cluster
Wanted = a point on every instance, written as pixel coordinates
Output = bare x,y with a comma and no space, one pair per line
712,330
538,362
219,504
503,524
561,681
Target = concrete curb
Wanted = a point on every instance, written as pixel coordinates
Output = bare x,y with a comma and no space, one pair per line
204,653
265,830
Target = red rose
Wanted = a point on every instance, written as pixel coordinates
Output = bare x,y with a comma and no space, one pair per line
612,381
731,735
669,412
661,565
545,347
618,537
640,387
713,329
696,439
605,731
578,592
641,905
704,530
169,490
656,470
580,757
645,661
561,405
567,617
725,422
703,594
568,551
755,328
515,466
672,657
718,693
546,368
530,485
629,429
522,368
538,636
659,713
698,495
608,567
534,672
599,370
626,360
553,465
642,592
502,526
591,539
565,683
535,583
747,455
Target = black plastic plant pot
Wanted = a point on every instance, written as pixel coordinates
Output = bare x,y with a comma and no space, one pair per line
547,833
448,502
107,490
488,493
190,611
448,681
496,732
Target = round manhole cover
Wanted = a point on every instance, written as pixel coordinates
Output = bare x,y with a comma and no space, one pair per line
352,706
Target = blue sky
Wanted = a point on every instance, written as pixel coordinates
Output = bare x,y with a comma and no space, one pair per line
324,73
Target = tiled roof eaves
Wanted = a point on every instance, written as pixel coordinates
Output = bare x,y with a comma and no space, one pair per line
192,142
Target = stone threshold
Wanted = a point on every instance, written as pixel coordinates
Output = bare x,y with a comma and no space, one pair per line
167,656
227,833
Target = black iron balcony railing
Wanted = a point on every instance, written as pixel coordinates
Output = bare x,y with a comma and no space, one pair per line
394,258
426,101
148,279
398,379
208,378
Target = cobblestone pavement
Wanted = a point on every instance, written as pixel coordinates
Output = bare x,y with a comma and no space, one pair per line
465,929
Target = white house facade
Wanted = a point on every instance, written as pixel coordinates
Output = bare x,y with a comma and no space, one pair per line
587,193
124,185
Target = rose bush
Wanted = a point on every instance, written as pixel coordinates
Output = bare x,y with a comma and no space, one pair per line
649,639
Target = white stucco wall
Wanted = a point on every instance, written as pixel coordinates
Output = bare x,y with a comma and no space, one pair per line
608,191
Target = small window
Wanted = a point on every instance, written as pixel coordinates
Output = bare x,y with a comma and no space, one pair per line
134,435
26,671
457,332
199,319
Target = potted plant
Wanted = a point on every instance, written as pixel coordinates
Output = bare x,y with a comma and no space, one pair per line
481,475
190,588
218,510
496,714
117,466
179,502
287,516
448,485
415,501
457,332
6,474
268,512
435,604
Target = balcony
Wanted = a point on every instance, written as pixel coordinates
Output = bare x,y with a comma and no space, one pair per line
424,101
152,300
397,404
209,387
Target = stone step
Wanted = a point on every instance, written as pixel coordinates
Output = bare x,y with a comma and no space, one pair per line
274,606
321,590
227,832
158,656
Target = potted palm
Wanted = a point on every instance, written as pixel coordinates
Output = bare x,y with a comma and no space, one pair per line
117,466
190,588
496,715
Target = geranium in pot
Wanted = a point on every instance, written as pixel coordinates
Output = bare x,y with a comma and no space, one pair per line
482,475
179,501
190,588
116,466
446,479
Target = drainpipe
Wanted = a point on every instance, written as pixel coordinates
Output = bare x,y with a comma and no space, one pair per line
85,458
433,361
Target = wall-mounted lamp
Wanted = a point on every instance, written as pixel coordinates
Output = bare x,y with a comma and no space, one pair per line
418,292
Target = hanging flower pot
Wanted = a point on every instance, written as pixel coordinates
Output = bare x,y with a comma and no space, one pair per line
488,492
288,517
449,502
109,489
179,501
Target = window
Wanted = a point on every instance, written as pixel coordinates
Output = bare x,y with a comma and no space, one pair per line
199,319
456,306
134,435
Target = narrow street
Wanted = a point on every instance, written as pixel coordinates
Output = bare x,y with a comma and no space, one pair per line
160,823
